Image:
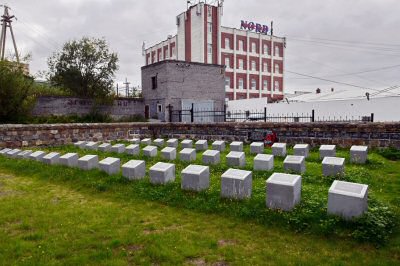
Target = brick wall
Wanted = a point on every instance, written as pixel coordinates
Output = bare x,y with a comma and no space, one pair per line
341,134
51,105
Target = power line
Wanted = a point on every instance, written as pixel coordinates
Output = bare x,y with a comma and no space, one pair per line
332,81
366,71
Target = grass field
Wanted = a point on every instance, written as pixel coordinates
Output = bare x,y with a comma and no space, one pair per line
59,215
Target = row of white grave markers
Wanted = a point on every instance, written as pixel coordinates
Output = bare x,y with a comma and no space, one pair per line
283,191
331,166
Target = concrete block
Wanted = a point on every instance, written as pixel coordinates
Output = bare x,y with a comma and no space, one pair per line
173,143
236,184
52,158
327,151
134,141
13,153
187,144
283,191
88,162
150,151
201,145
159,142
279,149
236,146
218,145
145,142
69,159
358,154
301,150
211,157
92,146
168,153
4,151
118,148
333,166
80,144
187,155
134,170
162,173
24,154
235,158
295,164
105,147
257,148
110,165
263,162
37,155
133,149
195,178
348,200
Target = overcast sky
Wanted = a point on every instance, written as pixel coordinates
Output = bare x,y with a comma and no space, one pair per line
325,38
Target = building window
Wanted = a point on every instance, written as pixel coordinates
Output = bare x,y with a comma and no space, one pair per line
173,52
277,52
241,64
209,48
253,65
159,57
253,84
266,50
241,45
227,43
166,54
227,83
241,84
265,85
209,24
159,108
277,69
276,85
227,62
154,82
265,67
253,47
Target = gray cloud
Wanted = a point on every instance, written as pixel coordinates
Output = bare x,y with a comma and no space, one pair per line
43,26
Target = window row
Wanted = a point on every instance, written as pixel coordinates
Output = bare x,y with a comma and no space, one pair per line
253,47
253,65
253,84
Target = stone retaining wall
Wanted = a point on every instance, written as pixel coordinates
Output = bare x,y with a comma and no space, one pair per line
59,106
341,134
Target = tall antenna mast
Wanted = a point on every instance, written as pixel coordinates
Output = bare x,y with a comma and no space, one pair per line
6,21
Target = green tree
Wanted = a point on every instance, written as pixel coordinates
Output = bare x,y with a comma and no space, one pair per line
84,67
15,90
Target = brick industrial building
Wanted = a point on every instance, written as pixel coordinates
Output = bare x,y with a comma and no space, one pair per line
253,57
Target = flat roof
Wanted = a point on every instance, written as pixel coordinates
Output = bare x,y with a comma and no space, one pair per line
168,61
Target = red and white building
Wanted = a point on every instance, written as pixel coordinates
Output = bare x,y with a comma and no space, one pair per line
254,59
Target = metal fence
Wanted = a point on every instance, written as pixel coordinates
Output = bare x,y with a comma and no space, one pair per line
194,115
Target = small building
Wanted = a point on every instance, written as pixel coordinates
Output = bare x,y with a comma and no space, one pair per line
170,85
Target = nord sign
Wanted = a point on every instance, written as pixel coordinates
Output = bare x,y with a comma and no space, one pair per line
254,26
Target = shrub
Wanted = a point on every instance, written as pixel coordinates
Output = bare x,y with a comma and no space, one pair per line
15,99
390,153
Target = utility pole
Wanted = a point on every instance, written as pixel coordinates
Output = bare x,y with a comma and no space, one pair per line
6,21
127,87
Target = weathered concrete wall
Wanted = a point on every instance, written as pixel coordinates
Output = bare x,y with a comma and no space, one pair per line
122,107
177,81
341,134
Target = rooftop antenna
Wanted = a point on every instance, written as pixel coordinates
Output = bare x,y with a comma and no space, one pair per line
6,21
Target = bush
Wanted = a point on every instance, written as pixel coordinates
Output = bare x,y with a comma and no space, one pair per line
15,98
390,153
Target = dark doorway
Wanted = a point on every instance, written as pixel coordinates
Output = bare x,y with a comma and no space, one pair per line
147,111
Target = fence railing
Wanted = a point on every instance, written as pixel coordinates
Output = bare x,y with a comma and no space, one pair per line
195,115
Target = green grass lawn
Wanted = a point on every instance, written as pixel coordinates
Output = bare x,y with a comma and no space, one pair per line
59,215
